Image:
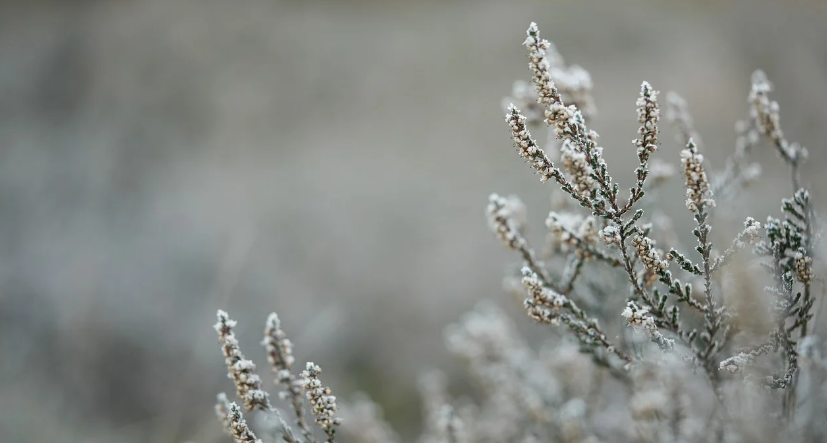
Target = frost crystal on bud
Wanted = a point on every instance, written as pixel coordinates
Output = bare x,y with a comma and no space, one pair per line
751,230
610,235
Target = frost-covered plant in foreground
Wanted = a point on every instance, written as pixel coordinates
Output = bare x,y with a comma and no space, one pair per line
654,343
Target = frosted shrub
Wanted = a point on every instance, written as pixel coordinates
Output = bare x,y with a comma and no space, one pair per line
650,344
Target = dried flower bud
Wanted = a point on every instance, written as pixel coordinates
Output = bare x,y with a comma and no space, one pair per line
650,257
803,267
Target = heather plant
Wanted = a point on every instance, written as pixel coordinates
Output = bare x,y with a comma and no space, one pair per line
659,341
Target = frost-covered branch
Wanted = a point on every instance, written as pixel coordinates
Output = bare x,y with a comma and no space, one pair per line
322,402
548,306
240,370
280,356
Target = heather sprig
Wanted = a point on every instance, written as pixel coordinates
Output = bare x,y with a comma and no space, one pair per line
239,369
545,305
322,402
613,269
222,411
698,192
280,356
789,250
765,114
648,115
238,428
579,235
537,158
248,385
639,318
584,178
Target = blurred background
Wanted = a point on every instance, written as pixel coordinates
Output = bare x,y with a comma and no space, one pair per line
330,160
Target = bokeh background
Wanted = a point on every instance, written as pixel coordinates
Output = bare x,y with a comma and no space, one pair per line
330,160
